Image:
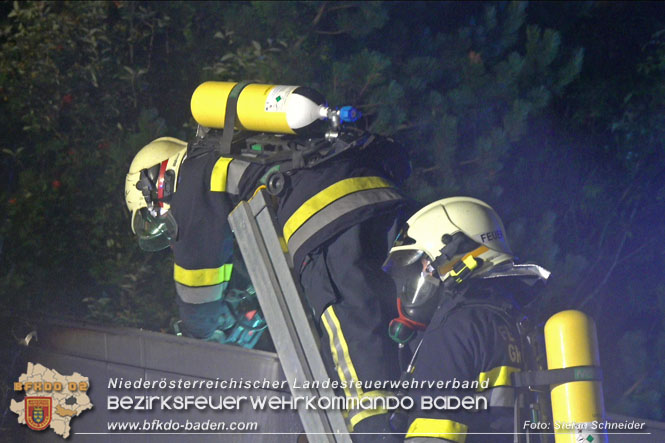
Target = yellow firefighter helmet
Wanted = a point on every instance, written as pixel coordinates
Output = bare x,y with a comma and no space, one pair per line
149,185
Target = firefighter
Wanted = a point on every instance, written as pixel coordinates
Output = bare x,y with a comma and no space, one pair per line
339,219
458,284
192,221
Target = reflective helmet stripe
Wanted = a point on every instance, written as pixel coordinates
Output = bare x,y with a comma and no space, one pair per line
160,182
447,267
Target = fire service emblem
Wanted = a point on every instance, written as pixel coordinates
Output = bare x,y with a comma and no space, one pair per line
38,412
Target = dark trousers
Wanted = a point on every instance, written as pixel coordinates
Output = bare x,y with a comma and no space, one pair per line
354,301
199,320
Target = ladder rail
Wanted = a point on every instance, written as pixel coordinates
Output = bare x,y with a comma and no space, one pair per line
291,329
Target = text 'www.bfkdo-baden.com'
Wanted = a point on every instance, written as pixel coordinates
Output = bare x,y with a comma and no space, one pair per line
158,425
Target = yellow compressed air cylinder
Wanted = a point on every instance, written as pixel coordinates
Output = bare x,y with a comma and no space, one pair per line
261,108
578,413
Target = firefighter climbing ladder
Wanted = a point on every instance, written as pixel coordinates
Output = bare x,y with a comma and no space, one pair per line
290,328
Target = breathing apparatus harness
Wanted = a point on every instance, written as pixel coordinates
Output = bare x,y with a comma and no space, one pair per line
282,154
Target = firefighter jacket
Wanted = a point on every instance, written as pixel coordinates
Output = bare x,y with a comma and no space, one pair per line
318,202
204,246
470,349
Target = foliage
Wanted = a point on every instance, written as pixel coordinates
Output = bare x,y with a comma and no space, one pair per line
599,171
631,190
79,97
491,99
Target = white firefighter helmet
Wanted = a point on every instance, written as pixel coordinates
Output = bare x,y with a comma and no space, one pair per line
149,185
449,230
448,241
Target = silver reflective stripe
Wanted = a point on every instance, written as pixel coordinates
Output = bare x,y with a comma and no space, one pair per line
530,272
502,396
236,169
337,209
340,352
201,294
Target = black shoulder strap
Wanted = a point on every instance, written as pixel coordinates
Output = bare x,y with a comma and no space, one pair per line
230,114
556,376
503,311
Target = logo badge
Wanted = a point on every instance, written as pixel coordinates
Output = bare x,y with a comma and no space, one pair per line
38,412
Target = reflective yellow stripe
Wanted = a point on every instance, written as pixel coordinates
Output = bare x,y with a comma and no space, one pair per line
435,428
346,370
499,376
334,351
327,196
337,209
359,415
202,277
218,176
340,350
282,243
475,253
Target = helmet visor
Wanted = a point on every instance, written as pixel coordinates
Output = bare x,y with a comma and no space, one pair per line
416,282
154,233
402,258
